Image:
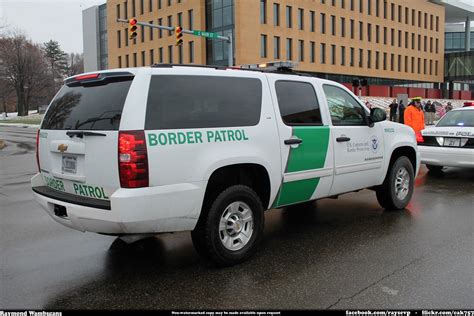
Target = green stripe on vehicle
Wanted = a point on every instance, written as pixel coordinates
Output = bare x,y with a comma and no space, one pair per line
310,155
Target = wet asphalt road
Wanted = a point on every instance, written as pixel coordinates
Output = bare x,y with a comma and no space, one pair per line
345,253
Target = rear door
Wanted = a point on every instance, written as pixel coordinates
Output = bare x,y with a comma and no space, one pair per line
79,135
305,142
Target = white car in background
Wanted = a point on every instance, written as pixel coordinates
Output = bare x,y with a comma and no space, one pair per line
450,142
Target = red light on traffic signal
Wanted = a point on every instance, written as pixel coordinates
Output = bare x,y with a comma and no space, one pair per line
179,35
132,21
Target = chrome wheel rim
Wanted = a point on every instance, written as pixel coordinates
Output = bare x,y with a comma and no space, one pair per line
236,226
402,183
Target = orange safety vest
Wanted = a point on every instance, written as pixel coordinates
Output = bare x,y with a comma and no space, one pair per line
415,118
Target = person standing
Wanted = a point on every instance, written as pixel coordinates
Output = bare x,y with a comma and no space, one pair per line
401,112
393,110
430,111
449,107
414,116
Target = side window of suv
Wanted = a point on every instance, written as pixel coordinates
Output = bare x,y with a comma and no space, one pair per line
298,103
344,109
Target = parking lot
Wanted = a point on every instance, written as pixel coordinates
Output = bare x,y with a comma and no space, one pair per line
342,254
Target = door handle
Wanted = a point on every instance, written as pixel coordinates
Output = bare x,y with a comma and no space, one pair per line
343,139
293,141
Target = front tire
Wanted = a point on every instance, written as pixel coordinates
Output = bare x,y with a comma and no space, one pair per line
230,231
397,189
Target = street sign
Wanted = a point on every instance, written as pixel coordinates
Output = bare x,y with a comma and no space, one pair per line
205,34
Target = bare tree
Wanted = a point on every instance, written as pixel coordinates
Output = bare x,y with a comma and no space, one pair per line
75,64
23,68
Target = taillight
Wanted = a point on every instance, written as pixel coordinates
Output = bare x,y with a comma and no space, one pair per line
133,159
419,137
37,150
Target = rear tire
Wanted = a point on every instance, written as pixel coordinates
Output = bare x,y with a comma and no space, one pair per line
434,168
230,231
397,189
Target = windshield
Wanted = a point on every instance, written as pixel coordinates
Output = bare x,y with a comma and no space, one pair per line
90,107
458,118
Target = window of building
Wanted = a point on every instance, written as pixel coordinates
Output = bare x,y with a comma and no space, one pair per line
412,65
412,40
298,103
322,53
276,47
343,27
142,33
343,108
413,17
312,51
125,10
384,61
343,4
150,5
289,21
351,57
180,54
170,54
419,42
425,43
424,66
361,30
180,19
126,37
333,3
333,54
392,62
160,54
352,5
191,19
119,39
159,4
399,63
333,25
343,55
120,61
142,6
191,52
160,31
419,18
406,15
300,19
263,11
431,67
134,12
369,32
431,22
117,13
425,20
385,35
385,9
437,23
289,49
169,3
436,67
361,6
276,14
369,59
361,57
204,102
399,14
431,44
143,58
392,11
406,39
351,28
377,59
436,46
263,46
369,7
300,50
406,63
419,65
377,8
399,38
170,23
134,59
392,37
152,57
377,34
151,31
312,16
323,23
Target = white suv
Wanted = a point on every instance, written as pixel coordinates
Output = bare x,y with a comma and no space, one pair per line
206,149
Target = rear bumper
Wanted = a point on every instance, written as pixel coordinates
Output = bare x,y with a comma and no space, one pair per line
445,156
159,209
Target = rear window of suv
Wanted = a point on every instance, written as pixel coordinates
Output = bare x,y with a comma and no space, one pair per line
88,107
176,101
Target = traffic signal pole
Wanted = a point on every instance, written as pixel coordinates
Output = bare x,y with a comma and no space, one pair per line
228,39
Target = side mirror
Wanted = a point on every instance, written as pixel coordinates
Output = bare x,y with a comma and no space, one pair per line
377,115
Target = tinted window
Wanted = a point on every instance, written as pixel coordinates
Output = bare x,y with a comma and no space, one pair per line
96,107
298,103
203,102
458,118
344,109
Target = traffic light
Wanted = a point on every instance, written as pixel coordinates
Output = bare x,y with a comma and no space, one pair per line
179,35
132,30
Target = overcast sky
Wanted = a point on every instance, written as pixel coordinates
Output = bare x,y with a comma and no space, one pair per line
60,20
42,20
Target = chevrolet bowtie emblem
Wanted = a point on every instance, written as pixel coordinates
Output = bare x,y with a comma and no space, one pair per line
62,148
